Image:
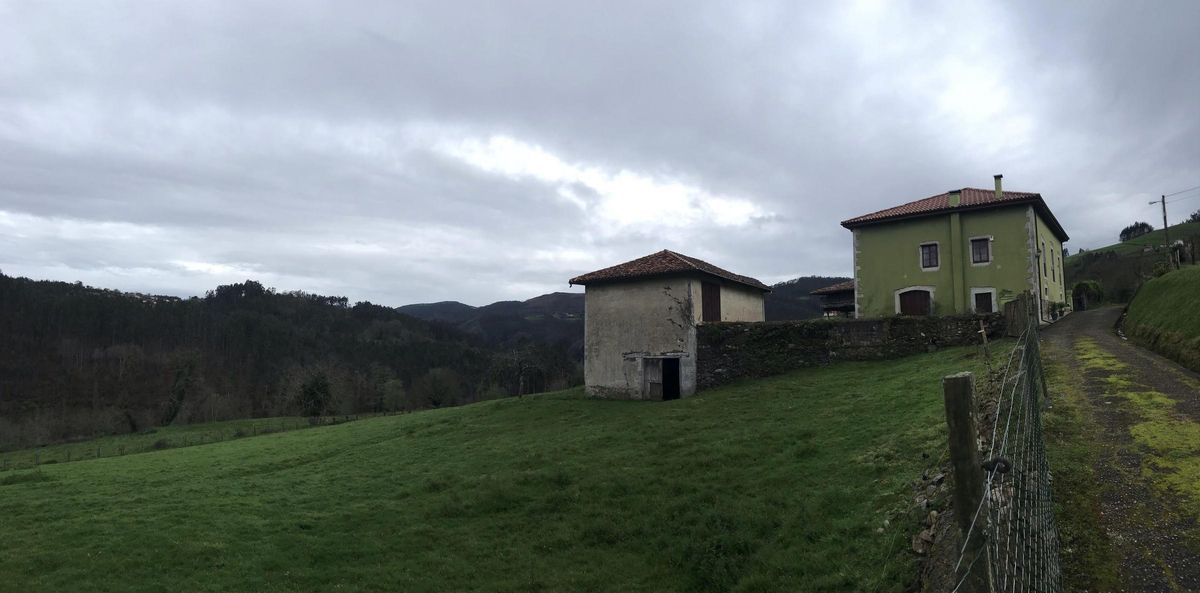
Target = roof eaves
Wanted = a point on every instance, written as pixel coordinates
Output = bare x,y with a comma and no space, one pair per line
860,222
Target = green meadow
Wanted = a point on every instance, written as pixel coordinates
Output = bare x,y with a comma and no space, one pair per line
1165,317
800,482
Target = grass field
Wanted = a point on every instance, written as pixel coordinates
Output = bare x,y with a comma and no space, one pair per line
800,482
1165,318
165,437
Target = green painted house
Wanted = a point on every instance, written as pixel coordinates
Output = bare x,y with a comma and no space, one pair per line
962,251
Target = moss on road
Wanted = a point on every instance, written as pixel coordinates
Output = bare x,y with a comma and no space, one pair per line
1129,415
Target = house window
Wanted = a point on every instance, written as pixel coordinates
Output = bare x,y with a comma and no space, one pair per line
983,299
981,250
1043,254
929,256
983,302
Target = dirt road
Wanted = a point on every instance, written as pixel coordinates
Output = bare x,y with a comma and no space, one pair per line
1146,411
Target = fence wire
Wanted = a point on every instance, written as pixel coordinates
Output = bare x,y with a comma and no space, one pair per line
1016,516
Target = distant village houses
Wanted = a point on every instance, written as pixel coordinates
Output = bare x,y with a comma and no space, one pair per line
640,322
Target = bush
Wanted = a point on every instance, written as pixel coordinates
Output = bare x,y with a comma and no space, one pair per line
315,395
161,444
1135,230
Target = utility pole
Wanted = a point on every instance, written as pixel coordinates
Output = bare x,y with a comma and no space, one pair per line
1166,231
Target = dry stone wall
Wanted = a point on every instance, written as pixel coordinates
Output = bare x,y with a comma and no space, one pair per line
729,351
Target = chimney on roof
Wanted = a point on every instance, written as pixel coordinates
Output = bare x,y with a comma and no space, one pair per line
999,186
954,197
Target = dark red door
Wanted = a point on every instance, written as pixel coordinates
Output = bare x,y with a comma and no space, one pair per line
915,302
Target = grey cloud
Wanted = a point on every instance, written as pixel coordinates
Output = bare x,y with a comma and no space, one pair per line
273,138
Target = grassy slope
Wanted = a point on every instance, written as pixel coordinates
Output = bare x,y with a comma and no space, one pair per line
159,438
773,485
1135,245
1122,267
1164,316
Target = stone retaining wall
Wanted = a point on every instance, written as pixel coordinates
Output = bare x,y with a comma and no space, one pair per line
728,351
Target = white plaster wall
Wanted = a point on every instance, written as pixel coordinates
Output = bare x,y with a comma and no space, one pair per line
741,303
626,322
738,302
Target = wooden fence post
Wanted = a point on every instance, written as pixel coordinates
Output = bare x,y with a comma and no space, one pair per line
959,393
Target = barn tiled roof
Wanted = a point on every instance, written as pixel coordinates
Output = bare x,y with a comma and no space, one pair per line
847,286
970,199
664,262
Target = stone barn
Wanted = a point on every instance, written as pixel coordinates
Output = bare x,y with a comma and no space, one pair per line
640,321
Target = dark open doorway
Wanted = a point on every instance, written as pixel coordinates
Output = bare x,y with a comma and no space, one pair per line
670,378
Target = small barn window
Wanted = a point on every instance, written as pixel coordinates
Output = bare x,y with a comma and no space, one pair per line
710,301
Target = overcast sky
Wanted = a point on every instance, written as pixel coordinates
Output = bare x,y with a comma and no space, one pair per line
405,152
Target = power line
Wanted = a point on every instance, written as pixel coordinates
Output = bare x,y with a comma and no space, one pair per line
1182,191
1182,199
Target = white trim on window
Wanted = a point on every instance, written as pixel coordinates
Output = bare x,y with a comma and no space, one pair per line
971,250
921,258
984,290
930,289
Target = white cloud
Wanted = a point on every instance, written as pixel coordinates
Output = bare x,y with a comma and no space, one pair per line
616,200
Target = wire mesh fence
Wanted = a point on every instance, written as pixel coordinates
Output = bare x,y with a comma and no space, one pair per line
1015,518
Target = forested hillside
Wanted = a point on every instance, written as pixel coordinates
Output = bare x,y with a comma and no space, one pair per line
791,299
77,361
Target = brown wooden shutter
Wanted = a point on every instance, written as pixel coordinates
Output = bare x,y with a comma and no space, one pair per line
710,297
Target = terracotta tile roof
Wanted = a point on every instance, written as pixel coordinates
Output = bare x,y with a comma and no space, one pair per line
971,199
847,286
664,262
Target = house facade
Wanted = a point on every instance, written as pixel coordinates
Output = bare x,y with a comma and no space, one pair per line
967,250
640,320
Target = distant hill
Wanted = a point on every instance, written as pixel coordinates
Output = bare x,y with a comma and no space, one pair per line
791,299
1122,267
555,319
445,311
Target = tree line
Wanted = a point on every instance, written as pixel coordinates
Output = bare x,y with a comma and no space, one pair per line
77,361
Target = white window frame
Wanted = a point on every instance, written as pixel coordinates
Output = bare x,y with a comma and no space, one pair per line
931,289
921,260
971,250
984,290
